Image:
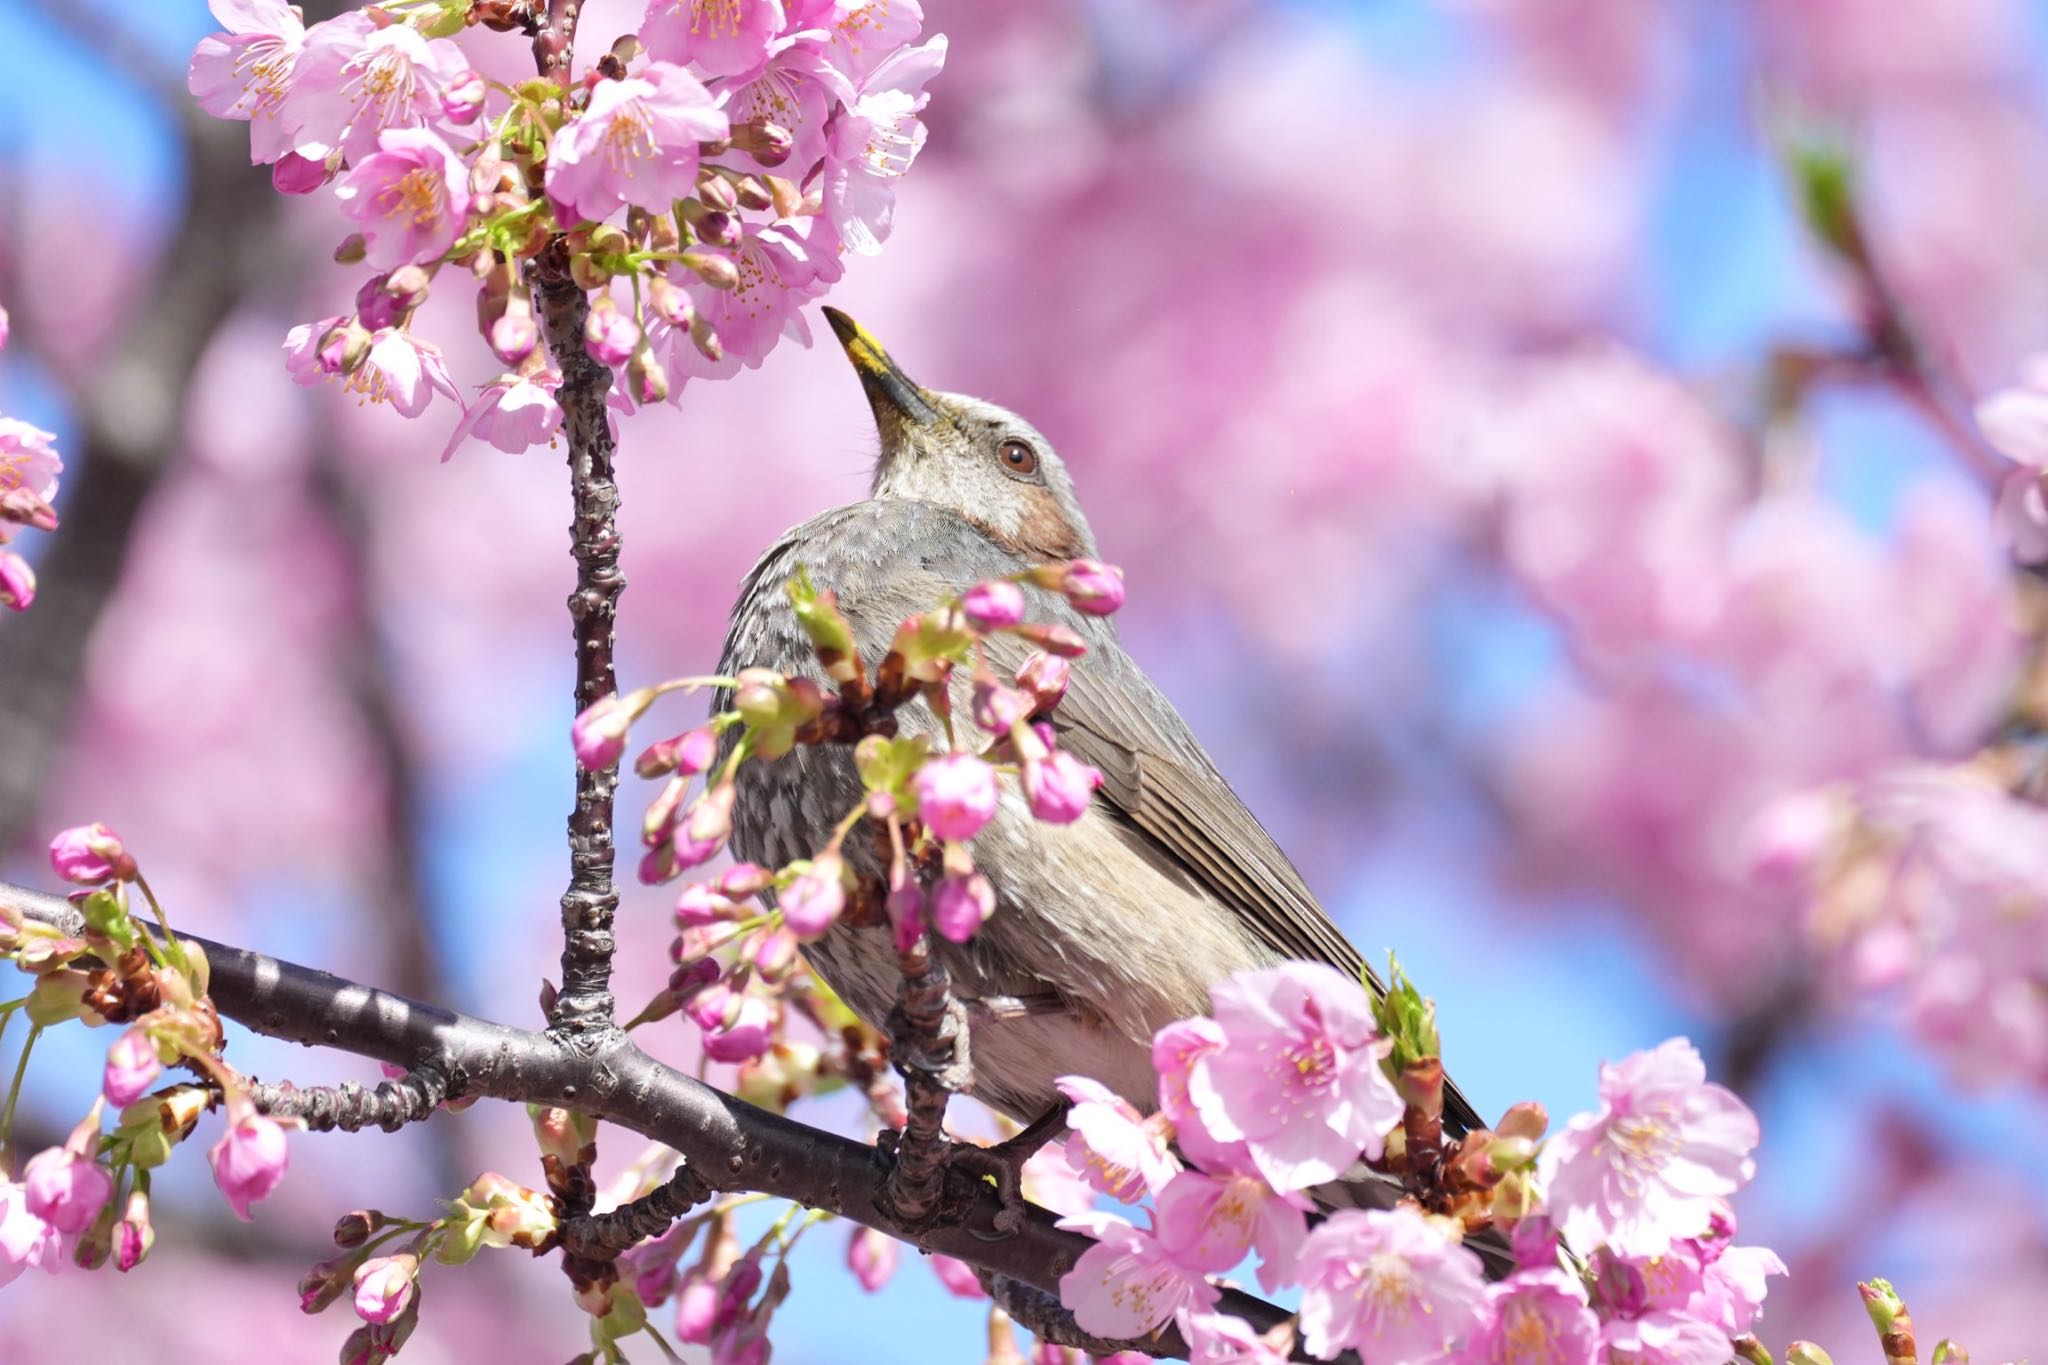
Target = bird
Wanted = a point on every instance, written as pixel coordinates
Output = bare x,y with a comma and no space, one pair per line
1109,927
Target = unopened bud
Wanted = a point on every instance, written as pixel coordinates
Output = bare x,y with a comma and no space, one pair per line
351,251
751,193
134,1235
669,303
609,334
1044,676
326,1282
788,197
646,378
715,270
343,348
1749,1349
768,143
23,507
705,339
714,195
462,96
1947,1352
513,337
351,1230
588,274
1526,1120
1054,639
1806,1353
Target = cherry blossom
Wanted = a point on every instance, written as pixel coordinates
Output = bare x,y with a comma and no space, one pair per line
1127,1283
245,73
721,37
956,795
874,142
1535,1317
636,143
355,80
28,459
514,412
249,1160
1389,1285
410,198
1113,1147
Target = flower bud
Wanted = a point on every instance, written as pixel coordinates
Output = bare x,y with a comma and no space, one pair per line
343,347
462,96
714,195
1751,1351
705,339
599,731
956,795
1525,1120
717,271
645,378
513,337
719,229
132,1067
752,194
17,582
768,143
296,174
812,903
906,914
609,334
384,1287
134,1235
23,507
669,303
90,855
249,1160
59,997
353,1229
324,1283
704,830
773,953
960,904
1806,1353
1093,587
746,1034
65,1190
996,708
1054,638
1947,1352
700,905
993,605
1059,786
871,1256
743,880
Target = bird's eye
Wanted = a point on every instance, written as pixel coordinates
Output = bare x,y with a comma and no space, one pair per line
1019,459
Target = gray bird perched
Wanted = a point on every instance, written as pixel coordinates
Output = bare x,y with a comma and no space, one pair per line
1112,926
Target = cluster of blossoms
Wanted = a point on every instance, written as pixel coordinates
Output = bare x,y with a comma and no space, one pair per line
28,486
1301,1079
716,164
87,1201
736,957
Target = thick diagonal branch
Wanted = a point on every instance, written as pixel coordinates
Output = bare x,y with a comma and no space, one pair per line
583,1008
731,1144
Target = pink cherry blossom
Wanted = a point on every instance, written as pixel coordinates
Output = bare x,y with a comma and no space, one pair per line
303,346
514,412
410,198
2015,420
384,1286
635,144
796,88
1390,1285
780,270
132,1067
1663,1339
956,795
28,459
1051,1182
295,174
873,142
1535,1317
723,37
90,854
865,33
1223,1339
1044,676
249,1160
17,582
26,1241
1734,1286
1093,586
1650,1164
1116,1149
1059,786
355,80
1298,1078
1127,1284
957,1276
245,73
744,1034
6,326
871,1256
1211,1222
402,370
66,1190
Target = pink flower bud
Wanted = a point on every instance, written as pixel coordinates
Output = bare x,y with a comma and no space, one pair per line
871,1256
322,1284
5,326
686,754
960,904
66,1190
773,952
1044,676
90,855
646,379
134,1235
608,334
696,1305
812,902
744,880
957,1276
378,307
513,337
956,795
26,507
132,1067
295,174
705,829
1058,787
692,977
1094,587
699,905
384,1286
599,732
741,1284
462,96
993,605
748,1034
17,581
996,707
249,1160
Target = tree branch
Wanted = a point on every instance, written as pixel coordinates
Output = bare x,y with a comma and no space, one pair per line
731,1145
602,1236
583,1009
349,1107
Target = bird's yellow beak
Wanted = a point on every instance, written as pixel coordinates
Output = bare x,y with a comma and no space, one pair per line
898,401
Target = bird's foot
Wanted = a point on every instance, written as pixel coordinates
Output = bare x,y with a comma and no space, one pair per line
934,1047
1003,1163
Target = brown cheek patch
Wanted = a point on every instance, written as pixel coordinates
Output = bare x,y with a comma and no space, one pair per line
1044,530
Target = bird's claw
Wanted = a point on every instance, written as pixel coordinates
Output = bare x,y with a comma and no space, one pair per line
1004,1164
939,1052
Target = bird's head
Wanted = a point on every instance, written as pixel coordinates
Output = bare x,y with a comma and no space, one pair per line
989,465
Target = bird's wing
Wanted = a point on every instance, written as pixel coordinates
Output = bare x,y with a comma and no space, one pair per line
1158,778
